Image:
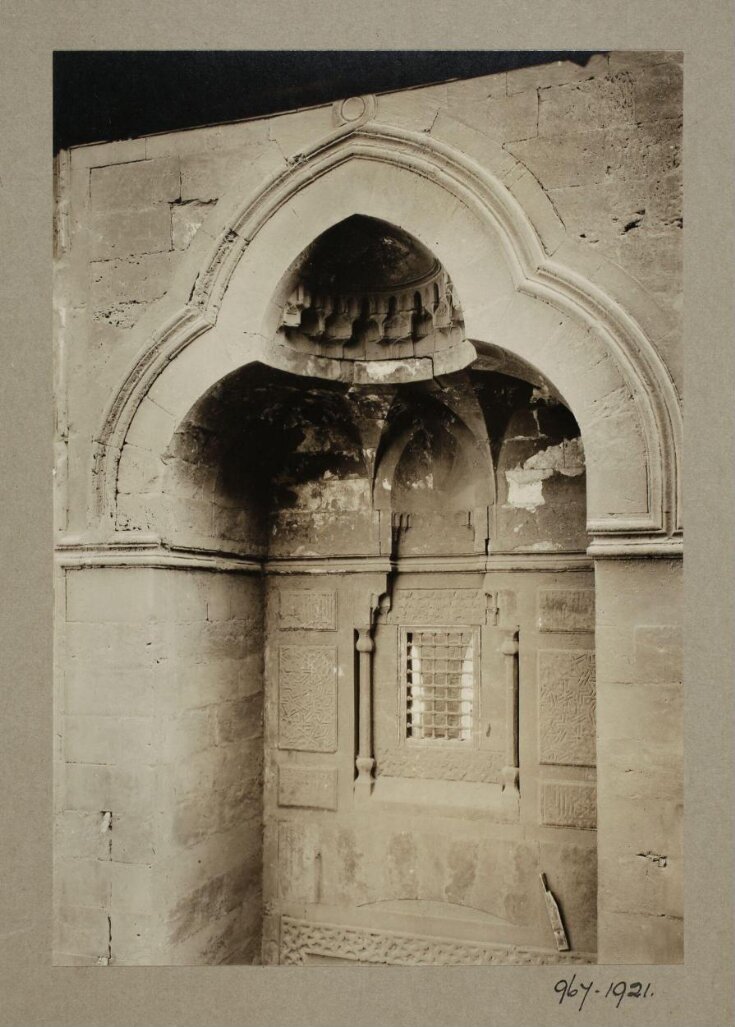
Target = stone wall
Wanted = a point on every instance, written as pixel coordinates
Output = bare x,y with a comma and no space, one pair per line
159,767
640,740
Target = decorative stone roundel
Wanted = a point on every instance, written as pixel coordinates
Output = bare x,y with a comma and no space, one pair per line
353,110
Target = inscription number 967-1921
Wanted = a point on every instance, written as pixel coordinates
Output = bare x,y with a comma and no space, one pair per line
616,990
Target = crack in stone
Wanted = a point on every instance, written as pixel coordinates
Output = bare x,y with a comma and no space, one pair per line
654,857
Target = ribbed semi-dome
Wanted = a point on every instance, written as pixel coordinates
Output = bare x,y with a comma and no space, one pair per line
365,283
363,254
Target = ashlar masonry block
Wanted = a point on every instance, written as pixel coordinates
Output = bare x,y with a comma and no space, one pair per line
125,233
136,184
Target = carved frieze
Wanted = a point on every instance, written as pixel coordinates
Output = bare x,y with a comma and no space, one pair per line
566,609
569,804
566,699
307,698
314,787
308,609
302,939
427,606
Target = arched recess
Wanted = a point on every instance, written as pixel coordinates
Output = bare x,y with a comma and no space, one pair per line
430,461
513,295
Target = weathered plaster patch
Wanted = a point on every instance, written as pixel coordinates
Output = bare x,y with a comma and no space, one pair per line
525,488
525,483
567,458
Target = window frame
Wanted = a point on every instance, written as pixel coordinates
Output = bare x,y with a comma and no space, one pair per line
463,744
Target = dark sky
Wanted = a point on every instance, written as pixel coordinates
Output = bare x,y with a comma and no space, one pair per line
102,95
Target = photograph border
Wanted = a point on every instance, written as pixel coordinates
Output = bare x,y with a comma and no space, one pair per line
32,990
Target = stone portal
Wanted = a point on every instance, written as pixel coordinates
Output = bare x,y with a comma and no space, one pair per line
368,604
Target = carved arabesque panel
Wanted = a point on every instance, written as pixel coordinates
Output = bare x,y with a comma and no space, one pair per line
566,697
307,698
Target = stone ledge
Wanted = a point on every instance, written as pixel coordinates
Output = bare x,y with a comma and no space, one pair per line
645,547
150,551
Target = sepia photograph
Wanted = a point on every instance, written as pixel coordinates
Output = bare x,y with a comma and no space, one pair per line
367,508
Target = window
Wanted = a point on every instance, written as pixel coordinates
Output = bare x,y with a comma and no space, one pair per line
440,684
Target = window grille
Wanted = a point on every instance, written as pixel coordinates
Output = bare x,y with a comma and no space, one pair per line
440,684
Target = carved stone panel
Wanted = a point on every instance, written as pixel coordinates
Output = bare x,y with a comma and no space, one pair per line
566,609
307,698
566,697
315,787
308,609
441,764
421,606
569,804
301,940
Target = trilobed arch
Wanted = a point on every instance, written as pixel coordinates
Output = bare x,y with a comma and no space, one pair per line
514,297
